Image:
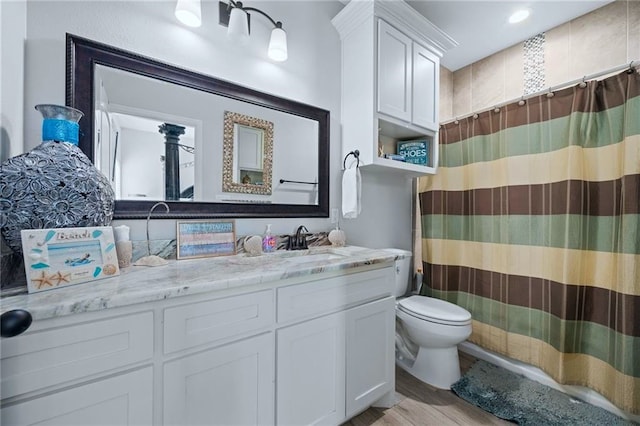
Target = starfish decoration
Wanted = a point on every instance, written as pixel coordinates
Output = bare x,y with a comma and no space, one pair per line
61,278
42,280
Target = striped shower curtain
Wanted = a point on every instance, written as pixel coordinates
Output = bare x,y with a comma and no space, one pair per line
532,223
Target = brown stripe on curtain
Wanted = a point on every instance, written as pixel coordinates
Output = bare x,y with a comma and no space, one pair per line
568,101
608,198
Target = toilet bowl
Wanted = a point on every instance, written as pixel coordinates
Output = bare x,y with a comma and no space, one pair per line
436,327
428,331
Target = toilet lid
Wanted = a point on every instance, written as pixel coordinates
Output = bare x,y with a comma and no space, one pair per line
435,310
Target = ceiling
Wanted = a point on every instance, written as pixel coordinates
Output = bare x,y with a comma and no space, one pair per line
480,27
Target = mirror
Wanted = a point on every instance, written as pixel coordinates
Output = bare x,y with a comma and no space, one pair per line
196,163
248,153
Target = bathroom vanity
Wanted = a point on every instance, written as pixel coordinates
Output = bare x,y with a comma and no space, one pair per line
287,338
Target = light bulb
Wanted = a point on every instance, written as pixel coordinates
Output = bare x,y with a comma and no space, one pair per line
238,25
278,45
188,12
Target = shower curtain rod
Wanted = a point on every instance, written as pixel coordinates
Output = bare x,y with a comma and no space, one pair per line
631,65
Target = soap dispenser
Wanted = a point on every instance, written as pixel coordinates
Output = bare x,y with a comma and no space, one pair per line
268,241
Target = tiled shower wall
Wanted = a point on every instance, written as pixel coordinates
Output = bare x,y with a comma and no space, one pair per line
602,39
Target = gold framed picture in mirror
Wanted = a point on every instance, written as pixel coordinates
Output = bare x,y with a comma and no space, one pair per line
247,154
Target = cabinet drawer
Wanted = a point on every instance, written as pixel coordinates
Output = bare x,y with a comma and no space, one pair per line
205,322
317,297
52,356
119,400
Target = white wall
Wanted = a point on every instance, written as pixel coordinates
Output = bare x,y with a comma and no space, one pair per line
311,75
13,32
141,177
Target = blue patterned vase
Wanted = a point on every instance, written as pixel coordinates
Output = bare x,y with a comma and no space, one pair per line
54,185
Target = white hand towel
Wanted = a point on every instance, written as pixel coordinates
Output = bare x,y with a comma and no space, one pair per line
351,188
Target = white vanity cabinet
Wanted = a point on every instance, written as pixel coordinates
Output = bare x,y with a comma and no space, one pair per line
331,367
390,83
314,348
120,400
231,382
370,358
84,370
311,372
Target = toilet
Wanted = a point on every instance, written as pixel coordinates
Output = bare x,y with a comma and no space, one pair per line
428,331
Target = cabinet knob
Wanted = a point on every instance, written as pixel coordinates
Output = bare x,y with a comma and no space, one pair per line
14,322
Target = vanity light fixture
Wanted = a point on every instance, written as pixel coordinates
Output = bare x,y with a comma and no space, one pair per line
519,16
236,16
189,12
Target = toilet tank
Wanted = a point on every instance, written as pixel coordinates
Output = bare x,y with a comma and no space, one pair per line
403,271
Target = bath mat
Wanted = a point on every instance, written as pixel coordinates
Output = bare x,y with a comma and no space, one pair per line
513,397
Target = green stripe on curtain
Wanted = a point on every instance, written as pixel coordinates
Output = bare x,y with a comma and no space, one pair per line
599,233
554,134
566,336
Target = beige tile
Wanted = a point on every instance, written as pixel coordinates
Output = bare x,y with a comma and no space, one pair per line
556,54
487,82
446,94
633,40
513,72
598,40
462,91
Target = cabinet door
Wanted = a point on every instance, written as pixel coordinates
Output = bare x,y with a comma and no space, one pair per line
426,77
370,353
228,385
310,372
120,400
250,142
394,72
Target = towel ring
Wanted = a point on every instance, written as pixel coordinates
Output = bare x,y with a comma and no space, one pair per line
356,154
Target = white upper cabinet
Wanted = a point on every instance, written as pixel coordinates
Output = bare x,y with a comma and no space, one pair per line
394,72
425,85
390,79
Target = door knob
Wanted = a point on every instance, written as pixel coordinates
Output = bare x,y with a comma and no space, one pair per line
14,322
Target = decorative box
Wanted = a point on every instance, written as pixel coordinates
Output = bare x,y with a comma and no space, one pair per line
414,151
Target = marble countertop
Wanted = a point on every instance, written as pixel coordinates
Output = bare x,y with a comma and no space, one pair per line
140,284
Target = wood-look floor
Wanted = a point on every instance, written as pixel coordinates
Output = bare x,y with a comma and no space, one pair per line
421,404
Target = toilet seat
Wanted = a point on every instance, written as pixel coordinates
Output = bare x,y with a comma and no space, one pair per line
435,310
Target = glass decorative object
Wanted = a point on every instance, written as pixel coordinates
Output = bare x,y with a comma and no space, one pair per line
54,185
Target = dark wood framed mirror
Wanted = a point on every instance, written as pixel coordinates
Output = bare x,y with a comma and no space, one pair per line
83,56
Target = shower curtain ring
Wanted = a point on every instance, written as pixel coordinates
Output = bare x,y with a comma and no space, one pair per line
583,83
630,70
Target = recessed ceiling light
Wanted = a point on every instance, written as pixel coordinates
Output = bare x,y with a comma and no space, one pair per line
519,16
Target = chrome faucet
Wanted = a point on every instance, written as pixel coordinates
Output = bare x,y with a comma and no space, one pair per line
299,240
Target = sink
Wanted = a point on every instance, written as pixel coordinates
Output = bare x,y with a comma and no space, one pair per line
290,257
313,257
